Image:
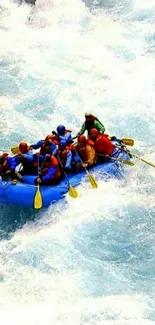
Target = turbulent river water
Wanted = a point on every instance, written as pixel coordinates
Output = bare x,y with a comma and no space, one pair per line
89,261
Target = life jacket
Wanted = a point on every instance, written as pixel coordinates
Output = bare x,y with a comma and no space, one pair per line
81,150
70,147
91,143
91,124
55,139
45,147
53,163
103,145
86,153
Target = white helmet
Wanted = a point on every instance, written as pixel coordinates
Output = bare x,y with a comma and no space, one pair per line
88,114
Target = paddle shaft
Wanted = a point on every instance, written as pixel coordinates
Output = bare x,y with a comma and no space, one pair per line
135,156
81,161
123,161
38,173
63,169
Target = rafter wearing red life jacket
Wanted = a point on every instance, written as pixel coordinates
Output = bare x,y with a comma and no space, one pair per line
103,145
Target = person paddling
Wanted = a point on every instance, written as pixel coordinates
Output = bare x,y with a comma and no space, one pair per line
50,172
84,151
102,144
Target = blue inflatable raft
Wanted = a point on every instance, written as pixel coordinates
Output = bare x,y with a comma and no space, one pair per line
22,194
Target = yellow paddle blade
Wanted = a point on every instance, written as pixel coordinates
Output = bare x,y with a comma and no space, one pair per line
73,192
128,142
38,199
126,162
15,150
92,181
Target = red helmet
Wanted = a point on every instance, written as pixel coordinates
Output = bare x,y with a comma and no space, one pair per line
94,133
49,138
82,139
23,147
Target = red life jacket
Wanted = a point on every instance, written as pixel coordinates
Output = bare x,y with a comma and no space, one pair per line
91,143
103,145
45,147
55,139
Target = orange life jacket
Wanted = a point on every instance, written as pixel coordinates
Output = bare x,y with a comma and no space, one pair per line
53,163
86,152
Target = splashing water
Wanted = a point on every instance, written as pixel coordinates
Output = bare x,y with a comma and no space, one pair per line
91,260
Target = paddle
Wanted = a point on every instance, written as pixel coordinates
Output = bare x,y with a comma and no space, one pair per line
127,141
123,161
15,150
72,191
135,156
38,196
90,176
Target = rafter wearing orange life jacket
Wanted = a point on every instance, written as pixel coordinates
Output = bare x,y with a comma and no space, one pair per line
85,151
103,145
50,170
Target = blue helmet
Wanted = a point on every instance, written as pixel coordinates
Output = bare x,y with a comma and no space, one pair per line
61,129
